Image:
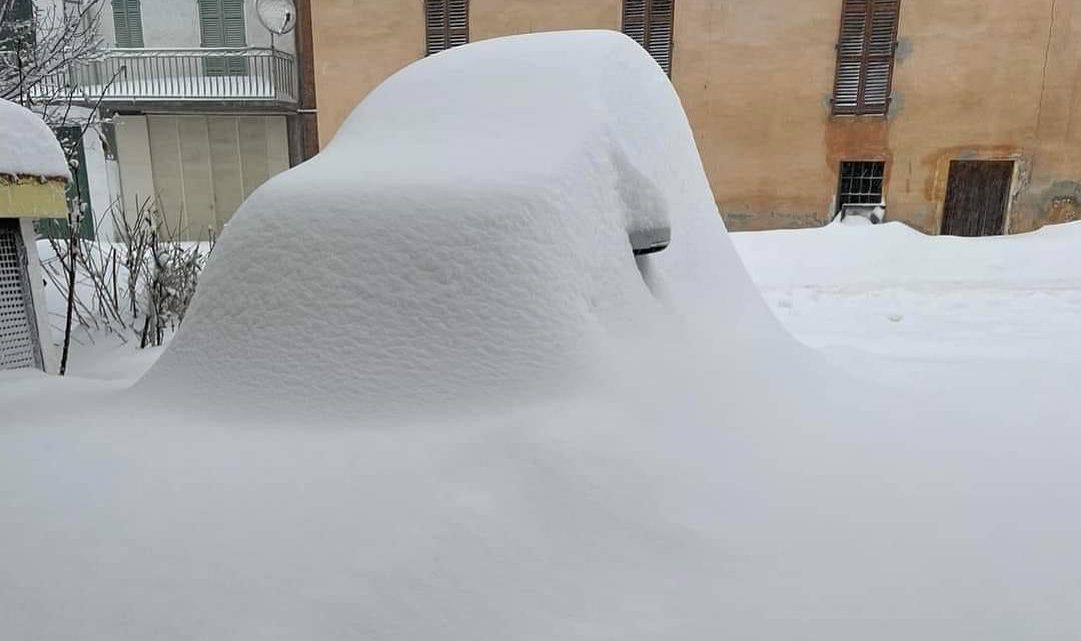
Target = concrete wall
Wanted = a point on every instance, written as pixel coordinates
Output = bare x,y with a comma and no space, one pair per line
357,45
975,79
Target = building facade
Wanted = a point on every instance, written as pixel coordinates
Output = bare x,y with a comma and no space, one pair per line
199,99
202,108
954,116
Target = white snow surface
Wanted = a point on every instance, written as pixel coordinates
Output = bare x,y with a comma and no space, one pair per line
426,392
27,146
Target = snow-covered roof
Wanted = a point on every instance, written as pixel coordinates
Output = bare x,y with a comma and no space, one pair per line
27,146
464,237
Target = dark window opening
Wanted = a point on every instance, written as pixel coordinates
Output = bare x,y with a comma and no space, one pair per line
16,25
861,183
650,24
866,50
446,24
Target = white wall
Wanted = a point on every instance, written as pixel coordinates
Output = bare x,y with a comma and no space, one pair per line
50,358
199,168
103,193
175,24
133,154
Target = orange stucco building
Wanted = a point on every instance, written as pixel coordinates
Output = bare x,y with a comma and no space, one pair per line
972,81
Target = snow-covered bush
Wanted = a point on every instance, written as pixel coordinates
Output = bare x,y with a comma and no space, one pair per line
137,287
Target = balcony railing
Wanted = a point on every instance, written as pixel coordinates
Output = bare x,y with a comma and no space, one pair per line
209,75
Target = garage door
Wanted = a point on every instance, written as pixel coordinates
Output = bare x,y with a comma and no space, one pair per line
18,336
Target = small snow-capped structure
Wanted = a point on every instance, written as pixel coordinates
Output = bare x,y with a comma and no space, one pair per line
467,238
33,178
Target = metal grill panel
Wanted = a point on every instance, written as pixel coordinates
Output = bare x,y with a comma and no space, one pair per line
18,338
861,183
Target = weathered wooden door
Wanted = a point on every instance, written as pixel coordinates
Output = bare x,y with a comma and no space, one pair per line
977,196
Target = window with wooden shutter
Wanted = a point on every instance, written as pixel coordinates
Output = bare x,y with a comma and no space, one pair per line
128,23
446,24
221,24
650,24
866,50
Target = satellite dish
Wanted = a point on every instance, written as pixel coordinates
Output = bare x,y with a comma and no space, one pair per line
279,16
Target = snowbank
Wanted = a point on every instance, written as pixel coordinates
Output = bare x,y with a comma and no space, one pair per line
27,146
683,471
896,254
464,240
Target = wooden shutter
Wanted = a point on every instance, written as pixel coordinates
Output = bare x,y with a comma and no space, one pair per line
634,19
128,23
211,21
650,24
446,24
458,11
865,55
221,24
232,12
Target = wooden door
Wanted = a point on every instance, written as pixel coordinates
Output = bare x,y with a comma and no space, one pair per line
977,196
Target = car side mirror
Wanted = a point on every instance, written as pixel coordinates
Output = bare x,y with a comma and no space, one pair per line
650,241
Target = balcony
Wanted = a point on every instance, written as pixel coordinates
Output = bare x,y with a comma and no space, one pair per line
228,75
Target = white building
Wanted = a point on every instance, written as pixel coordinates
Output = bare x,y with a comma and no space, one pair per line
201,97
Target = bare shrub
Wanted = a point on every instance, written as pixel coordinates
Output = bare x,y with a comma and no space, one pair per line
137,287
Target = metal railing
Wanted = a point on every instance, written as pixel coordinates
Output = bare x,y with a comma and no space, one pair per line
225,74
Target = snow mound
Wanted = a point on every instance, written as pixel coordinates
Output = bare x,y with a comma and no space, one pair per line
27,146
894,254
464,238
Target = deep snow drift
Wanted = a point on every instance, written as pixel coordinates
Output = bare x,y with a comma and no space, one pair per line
683,471
464,241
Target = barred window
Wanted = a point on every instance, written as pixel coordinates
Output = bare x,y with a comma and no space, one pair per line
446,24
861,183
866,51
650,24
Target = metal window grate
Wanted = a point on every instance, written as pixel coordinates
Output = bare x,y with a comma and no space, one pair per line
861,183
18,338
651,23
446,24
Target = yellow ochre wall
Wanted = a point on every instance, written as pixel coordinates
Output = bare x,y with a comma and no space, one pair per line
974,79
32,197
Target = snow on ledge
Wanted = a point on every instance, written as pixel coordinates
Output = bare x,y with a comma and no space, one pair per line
27,146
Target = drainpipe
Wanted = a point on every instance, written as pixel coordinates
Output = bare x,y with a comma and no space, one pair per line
307,113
